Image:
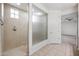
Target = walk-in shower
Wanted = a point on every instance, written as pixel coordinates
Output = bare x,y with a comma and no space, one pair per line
15,28
69,28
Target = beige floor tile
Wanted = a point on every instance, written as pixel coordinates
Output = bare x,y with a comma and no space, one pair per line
55,50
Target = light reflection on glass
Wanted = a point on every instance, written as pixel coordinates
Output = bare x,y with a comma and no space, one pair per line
34,18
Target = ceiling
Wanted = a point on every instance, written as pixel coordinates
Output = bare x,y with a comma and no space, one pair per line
59,6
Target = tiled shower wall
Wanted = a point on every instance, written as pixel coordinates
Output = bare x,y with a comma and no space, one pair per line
69,28
13,39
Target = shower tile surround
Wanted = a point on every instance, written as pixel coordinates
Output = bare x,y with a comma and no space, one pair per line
69,28
14,39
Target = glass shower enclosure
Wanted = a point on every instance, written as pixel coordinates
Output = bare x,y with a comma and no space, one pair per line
39,25
69,29
15,28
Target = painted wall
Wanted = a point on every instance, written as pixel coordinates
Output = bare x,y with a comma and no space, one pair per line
69,10
54,24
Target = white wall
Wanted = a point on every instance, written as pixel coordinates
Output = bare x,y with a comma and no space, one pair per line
70,10
54,26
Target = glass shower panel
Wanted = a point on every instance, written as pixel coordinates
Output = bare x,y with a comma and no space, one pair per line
0,10
39,25
0,31
1,28
15,29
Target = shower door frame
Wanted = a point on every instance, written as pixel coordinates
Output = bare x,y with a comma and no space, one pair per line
2,28
77,29
31,46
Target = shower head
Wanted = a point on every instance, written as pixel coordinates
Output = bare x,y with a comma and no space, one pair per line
68,19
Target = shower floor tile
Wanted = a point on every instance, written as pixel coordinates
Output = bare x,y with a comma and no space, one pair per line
20,51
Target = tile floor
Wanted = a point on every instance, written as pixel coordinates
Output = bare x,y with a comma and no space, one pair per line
48,50
55,50
19,51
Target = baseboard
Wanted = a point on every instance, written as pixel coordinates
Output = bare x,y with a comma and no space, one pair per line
56,41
